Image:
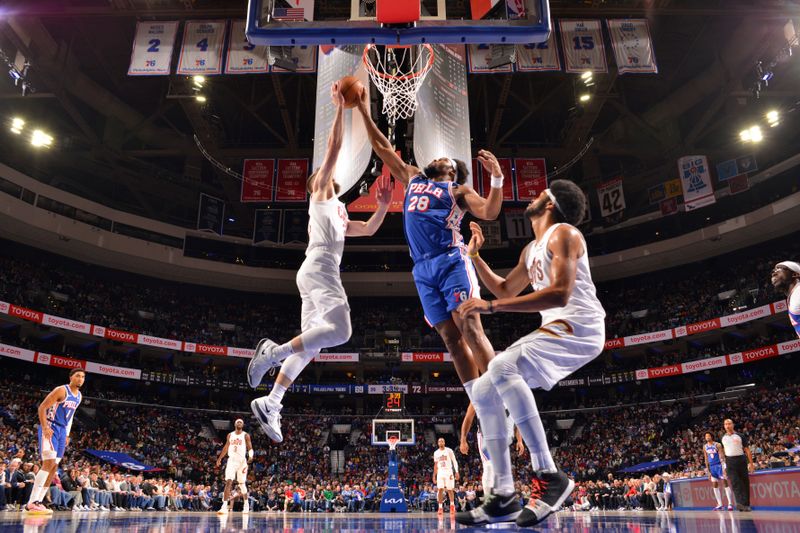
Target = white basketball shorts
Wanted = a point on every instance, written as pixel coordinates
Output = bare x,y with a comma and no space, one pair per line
445,481
321,290
236,470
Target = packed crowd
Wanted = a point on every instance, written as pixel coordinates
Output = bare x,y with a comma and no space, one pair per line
674,297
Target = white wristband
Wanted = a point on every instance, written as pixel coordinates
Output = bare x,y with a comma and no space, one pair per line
497,182
250,453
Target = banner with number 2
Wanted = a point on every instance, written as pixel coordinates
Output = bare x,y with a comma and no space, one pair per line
152,48
201,52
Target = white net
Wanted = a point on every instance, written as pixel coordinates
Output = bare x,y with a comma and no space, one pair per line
398,72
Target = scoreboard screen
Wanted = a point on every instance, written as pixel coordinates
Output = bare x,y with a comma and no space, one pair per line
393,402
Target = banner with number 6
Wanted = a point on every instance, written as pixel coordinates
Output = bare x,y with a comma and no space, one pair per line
611,197
201,52
582,43
152,48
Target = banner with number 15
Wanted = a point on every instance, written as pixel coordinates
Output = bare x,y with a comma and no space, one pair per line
152,48
201,52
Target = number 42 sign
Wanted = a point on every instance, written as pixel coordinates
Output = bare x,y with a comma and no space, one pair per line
611,197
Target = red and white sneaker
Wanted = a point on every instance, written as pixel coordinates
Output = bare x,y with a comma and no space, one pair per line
452,509
730,507
36,508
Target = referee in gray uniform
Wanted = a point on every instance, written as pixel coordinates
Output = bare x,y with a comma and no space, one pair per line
738,461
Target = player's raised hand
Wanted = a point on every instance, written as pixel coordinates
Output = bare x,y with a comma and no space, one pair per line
336,95
489,162
363,101
477,239
463,447
384,190
474,306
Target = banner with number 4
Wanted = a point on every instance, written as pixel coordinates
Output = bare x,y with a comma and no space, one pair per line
152,48
201,52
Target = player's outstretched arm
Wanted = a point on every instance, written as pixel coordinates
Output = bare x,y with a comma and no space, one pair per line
566,246
466,425
335,139
56,396
402,171
501,287
486,208
368,228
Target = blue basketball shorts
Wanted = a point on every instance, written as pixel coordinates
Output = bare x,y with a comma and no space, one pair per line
54,447
716,472
444,282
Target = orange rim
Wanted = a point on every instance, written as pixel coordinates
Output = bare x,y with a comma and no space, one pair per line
412,75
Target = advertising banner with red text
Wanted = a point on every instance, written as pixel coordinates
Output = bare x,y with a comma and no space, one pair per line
508,182
777,489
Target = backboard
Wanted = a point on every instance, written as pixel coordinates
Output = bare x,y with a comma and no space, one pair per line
337,22
384,428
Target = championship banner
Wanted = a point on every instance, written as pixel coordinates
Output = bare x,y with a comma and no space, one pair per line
304,59
258,180
531,178
152,48
243,57
201,52
633,46
582,43
508,182
267,226
480,56
122,460
539,57
292,177
210,214
696,182
611,197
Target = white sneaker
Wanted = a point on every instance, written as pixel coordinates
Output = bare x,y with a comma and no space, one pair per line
246,508
261,362
223,509
269,417
103,508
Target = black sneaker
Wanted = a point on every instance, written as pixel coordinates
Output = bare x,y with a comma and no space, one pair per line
495,509
549,492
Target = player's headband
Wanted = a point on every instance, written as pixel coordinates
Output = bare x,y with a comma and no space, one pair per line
553,199
239,420
791,265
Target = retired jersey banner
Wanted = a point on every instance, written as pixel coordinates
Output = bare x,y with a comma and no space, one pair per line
480,56
633,46
611,197
292,176
696,181
531,178
258,180
539,57
210,214
243,57
582,43
201,52
508,182
152,48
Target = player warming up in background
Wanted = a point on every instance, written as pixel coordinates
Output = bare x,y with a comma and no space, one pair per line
556,265
55,422
325,320
240,452
445,468
436,200
786,278
712,451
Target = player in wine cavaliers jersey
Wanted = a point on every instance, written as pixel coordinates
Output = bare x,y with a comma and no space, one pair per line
445,474
712,452
55,422
786,278
239,449
325,318
436,199
556,265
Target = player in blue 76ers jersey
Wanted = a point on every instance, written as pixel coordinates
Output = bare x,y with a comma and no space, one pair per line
55,422
436,200
712,452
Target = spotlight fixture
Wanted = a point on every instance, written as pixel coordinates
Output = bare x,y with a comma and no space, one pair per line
17,124
586,75
40,138
200,98
752,134
199,80
585,97
773,118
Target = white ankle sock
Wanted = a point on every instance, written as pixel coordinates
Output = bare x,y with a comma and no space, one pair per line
718,496
729,494
284,350
38,483
276,394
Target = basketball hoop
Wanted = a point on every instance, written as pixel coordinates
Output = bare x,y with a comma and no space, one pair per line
398,72
392,442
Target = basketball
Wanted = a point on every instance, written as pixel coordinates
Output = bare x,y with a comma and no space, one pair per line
351,88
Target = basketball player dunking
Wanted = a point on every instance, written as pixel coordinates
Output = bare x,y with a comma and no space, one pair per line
436,200
325,320
712,451
445,469
55,422
237,444
556,264
786,278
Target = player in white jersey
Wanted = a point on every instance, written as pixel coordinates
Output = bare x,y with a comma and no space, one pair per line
556,265
487,476
785,277
325,320
445,469
239,449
